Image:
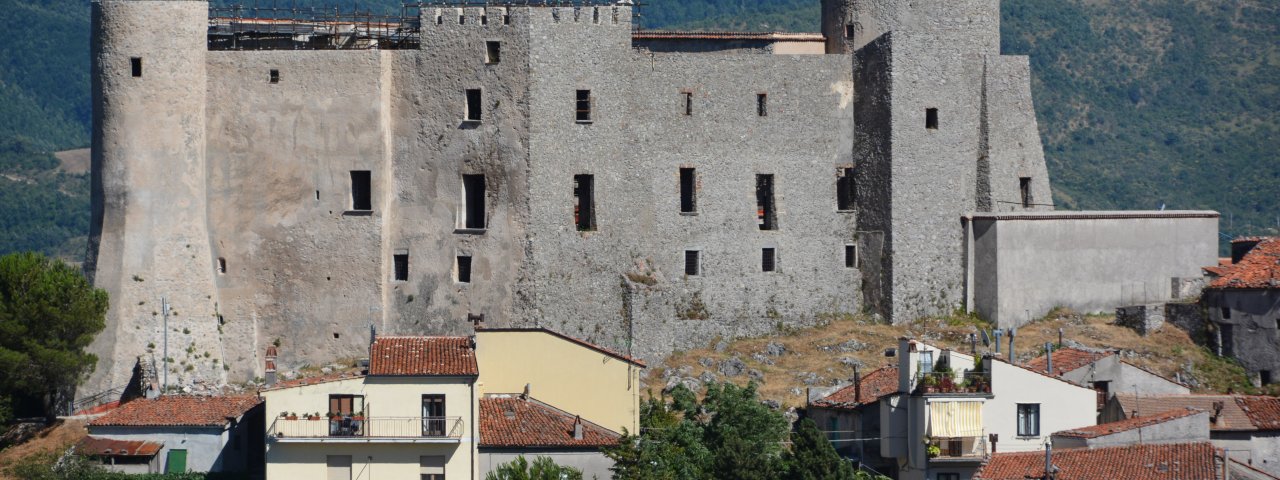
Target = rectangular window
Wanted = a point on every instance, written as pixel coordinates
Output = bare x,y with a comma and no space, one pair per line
492,52
401,261
338,466
473,105
439,19
135,64
851,256
473,209
432,467
688,190
462,19
1028,420
222,265
692,266
346,405
762,104
361,191
275,76
583,108
844,190
506,19
688,103
464,269
1264,377
584,196
931,118
848,31
766,214
1226,313
433,420
1024,190
768,259
484,19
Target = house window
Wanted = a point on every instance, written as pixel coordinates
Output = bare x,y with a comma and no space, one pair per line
473,105
464,269
688,103
768,259
848,31
850,256
1028,420
135,65
222,265
926,361
692,264
1024,189
931,118
275,76
844,190
1226,313
833,425
361,191
401,261
338,466
766,214
492,52
346,405
688,190
762,104
433,416
1264,377
473,208
584,196
432,467
583,106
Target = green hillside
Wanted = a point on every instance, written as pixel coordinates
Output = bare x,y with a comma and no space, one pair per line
1142,103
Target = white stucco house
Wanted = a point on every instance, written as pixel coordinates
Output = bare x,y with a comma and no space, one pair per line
180,433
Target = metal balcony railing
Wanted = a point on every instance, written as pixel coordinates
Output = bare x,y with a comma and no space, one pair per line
960,448
368,427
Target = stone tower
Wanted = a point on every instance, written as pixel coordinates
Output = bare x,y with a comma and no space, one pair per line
149,237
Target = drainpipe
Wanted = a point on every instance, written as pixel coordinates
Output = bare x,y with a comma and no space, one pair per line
1048,355
857,385
1048,460
1013,358
998,333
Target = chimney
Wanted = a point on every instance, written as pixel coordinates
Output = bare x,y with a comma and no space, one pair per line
993,438
477,321
998,333
1048,356
373,334
577,428
1048,460
1217,412
525,395
857,385
510,412
270,368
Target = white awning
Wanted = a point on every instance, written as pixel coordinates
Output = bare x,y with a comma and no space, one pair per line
955,419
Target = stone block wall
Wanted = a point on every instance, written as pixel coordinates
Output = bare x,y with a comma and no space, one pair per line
1143,319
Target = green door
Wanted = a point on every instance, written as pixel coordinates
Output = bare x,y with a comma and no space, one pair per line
177,462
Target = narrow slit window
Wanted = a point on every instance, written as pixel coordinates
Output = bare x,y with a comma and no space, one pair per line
1264,377
583,106
492,52
766,212
439,19
595,15
473,105
688,103
849,31
361,194
762,104
768,259
473,196
222,265
464,269
688,190
401,261
692,263
275,76
850,256
845,190
484,19
584,209
931,118
1226,313
1024,190
135,65
462,19
506,19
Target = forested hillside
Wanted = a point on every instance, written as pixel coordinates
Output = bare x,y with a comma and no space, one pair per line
1142,103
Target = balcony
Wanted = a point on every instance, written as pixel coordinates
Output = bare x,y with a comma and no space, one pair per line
367,430
957,450
945,383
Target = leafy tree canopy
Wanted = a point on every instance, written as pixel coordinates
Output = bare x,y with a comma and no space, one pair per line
543,468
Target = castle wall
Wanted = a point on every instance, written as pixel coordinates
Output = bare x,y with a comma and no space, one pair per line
1011,148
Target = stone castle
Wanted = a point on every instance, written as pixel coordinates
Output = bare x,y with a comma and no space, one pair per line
298,181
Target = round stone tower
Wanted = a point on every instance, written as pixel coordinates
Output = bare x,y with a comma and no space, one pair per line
149,238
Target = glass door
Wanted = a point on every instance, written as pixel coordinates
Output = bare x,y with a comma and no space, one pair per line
433,423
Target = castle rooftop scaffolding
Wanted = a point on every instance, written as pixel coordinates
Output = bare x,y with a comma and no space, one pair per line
278,25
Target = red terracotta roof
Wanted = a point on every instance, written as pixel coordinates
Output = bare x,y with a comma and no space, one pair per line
1181,461
774,36
300,382
878,383
178,411
120,448
1233,417
607,351
511,421
1260,268
450,356
1264,412
1067,359
1126,425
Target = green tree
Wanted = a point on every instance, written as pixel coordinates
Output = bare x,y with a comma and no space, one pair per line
543,468
48,314
745,436
813,458
668,447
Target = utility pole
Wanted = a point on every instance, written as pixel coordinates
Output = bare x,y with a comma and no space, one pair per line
164,362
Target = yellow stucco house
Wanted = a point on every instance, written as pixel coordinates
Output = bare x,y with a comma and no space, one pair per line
431,408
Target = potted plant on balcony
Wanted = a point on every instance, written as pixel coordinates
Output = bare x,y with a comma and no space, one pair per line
358,416
930,383
932,450
314,416
291,416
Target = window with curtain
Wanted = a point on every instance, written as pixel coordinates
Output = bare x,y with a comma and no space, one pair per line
1028,419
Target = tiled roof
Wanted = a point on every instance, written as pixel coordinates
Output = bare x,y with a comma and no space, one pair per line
1067,359
177,411
1126,425
1180,461
775,36
878,383
121,448
1260,268
511,421
607,351
1264,412
299,382
1233,417
422,356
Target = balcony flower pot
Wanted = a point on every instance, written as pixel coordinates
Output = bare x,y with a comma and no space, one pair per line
933,451
291,416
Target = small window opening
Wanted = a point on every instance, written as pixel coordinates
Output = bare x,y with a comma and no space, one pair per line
768,259
336,335
688,103
506,19
692,266
492,52
473,202
439,19
584,210
135,64
464,269
222,265
361,196
845,190
766,214
275,76
473,105
762,104
317,194
583,111
848,31
462,19
931,118
1264,377
595,15
850,256
401,261
484,19
688,190
1226,313
1024,190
